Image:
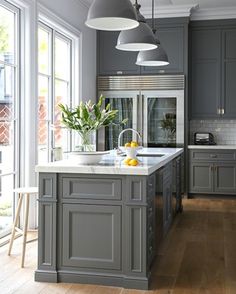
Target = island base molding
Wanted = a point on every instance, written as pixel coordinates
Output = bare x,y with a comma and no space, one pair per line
95,279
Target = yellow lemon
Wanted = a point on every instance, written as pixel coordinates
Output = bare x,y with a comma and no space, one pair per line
134,144
127,144
133,162
127,160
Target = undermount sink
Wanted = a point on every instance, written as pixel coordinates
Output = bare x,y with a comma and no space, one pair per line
146,155
151,155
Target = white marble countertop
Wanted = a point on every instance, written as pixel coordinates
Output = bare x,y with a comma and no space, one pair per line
113,164
210,147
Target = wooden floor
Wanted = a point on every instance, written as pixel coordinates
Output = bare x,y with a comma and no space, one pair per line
198,256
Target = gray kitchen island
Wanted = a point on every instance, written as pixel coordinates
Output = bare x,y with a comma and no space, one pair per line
101,224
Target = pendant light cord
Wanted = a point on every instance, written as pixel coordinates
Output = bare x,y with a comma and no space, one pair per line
153,20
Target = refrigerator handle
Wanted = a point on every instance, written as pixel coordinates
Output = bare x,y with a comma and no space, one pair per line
139,116
142,114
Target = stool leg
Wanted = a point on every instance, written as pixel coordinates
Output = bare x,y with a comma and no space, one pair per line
25,229
15,223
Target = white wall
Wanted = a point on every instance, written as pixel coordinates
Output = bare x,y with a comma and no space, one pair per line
75,13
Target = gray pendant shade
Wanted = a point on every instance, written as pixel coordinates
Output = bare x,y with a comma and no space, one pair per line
112,15
156,57
138,39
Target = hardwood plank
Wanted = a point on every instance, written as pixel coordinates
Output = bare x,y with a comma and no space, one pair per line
190,274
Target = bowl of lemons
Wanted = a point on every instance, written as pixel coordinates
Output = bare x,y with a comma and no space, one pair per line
131,150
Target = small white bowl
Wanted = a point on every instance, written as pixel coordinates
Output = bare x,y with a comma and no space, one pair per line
131,152
90,157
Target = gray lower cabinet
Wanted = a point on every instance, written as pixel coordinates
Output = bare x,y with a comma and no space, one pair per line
201,177
91,236
225,178
167,198
212,171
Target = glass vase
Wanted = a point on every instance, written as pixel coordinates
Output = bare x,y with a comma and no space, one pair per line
88,142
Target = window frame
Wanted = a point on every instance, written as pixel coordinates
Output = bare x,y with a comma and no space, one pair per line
16,118
64,31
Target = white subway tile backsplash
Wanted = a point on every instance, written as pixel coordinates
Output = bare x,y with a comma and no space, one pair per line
223,130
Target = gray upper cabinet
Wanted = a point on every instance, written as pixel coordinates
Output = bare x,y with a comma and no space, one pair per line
229,70
205,75
173,34
213,69
112,61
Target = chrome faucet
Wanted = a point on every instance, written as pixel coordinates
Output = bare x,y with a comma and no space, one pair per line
122,132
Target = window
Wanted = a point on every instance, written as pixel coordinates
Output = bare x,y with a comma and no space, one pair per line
54,87
9,111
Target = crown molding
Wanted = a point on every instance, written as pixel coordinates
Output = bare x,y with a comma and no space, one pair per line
169,11
214,13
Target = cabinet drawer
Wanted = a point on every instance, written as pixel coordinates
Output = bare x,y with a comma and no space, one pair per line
97,188
213,155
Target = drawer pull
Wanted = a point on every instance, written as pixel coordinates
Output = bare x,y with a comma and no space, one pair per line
150,229
150,249
213,156
150,185
150,210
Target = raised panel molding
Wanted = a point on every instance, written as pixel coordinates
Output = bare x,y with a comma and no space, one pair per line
136,245
136,187
91,236
84,188
47,186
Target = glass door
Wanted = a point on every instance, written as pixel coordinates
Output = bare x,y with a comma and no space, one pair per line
9,110
126,104
54,87
163,118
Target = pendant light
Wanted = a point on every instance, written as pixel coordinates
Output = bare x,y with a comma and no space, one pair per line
112,15
137,39
156,57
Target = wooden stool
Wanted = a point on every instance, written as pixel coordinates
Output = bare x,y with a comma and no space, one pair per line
27,191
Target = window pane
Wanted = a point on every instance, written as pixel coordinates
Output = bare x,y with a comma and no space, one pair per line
6,84
6,147
61,135
43,51
43,89
6,202
62,53
7,35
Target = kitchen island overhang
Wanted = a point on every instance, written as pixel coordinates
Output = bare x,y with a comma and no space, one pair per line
97,223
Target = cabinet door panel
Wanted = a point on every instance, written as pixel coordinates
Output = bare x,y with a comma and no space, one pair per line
205,89
201,177
172,40
230,44
205,82
91,236
225,178
112,61
230,89
229,74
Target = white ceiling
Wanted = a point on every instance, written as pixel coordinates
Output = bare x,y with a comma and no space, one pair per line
198,9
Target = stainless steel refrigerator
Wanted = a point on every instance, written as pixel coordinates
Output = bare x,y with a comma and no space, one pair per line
154,106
